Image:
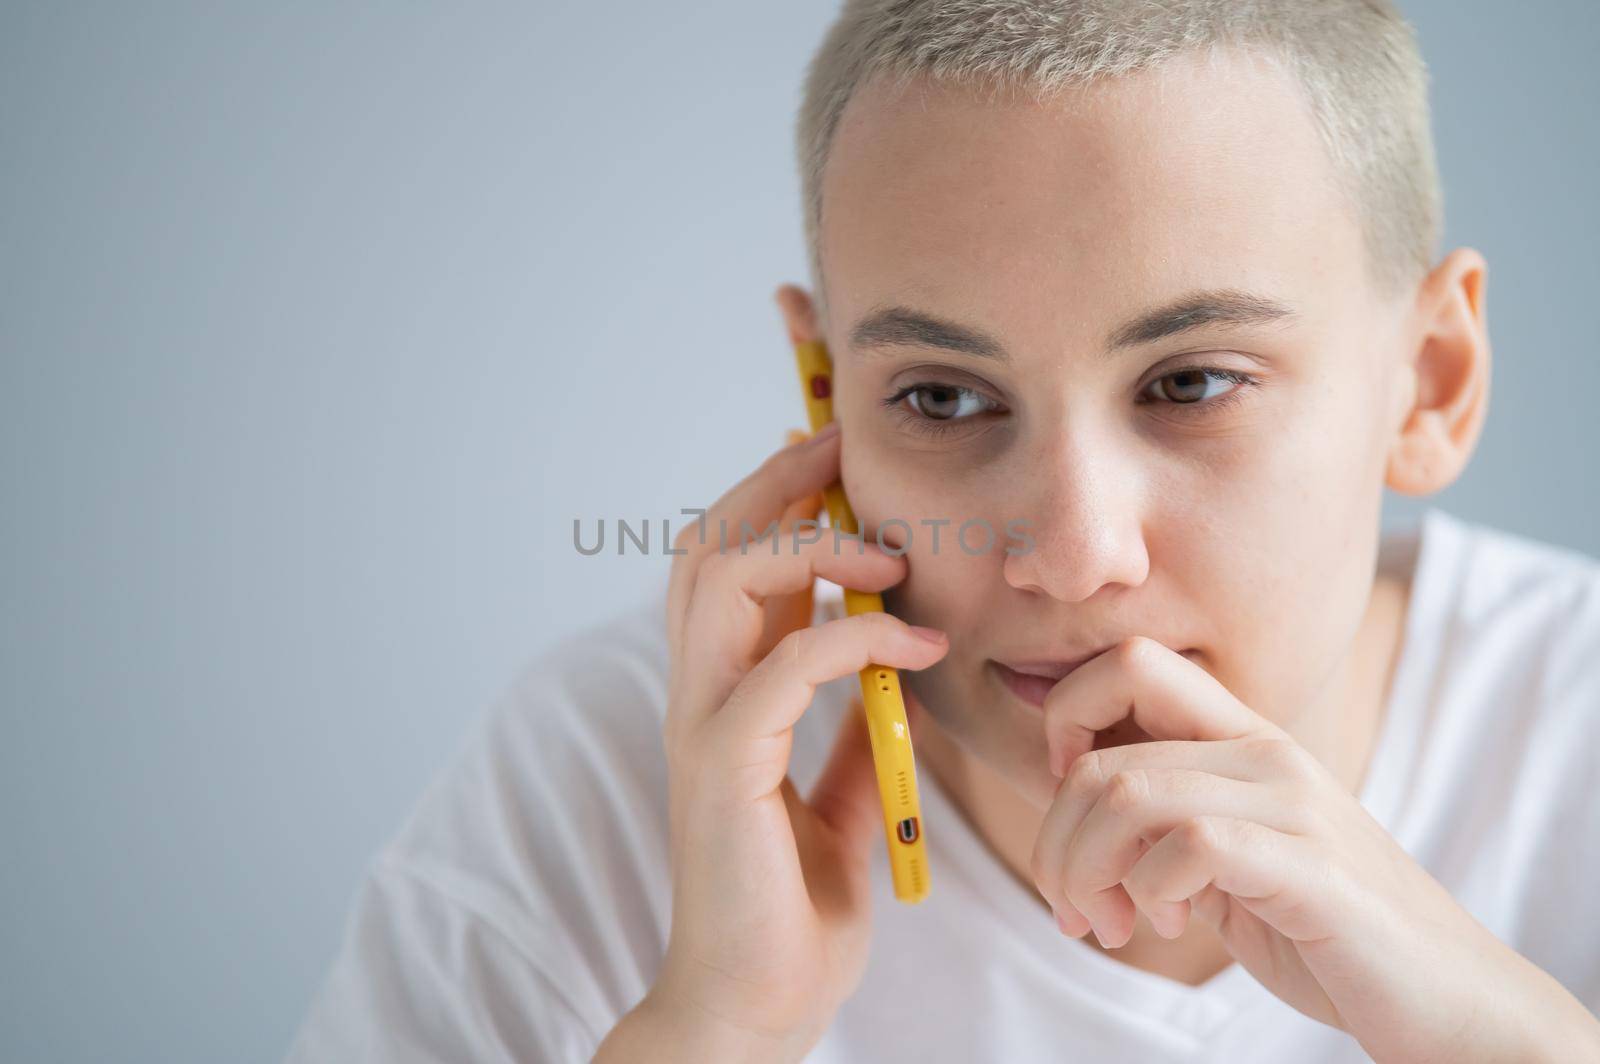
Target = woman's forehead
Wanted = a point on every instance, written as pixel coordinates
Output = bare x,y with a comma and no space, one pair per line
1149,182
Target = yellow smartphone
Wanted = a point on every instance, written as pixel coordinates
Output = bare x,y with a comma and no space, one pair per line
881,698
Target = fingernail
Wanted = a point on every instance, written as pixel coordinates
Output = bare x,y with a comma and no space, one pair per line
1061,922
932,635
827,431
1098,939
794,436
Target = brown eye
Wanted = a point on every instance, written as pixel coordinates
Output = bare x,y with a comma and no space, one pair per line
1185,386
933,409
1188,387
944,402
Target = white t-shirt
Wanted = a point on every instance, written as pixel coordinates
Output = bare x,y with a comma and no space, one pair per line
525,907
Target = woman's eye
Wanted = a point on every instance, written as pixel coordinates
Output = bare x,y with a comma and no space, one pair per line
937,407
941,402
1198,385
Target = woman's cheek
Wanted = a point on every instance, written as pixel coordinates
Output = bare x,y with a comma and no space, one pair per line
943,581
876,493
890,515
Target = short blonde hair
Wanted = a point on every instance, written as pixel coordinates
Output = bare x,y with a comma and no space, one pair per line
1357,61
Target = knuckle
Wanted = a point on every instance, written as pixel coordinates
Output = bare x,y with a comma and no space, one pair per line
1135,652
1283,757
1139,880
884,625
871,629
1127,790
1201,835
1086,775
1304,764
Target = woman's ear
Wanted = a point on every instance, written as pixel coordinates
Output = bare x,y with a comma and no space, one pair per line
799,314
1449,360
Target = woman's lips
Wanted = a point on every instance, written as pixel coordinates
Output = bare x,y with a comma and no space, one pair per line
1031,681
1031,689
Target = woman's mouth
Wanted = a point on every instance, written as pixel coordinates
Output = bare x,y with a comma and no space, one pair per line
1032,687
1031,682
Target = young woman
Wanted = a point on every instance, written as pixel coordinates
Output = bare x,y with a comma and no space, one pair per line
1212,771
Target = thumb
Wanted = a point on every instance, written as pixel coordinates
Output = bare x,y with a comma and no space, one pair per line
845,796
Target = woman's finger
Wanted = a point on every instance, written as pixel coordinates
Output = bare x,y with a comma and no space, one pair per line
1135,810
1165,693
785,478
742,748
726,613
1090,775
785,613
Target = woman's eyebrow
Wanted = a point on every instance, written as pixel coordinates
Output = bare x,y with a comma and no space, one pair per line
888,326
1219,306
892,325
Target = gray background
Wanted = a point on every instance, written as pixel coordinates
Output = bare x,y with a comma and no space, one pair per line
317,329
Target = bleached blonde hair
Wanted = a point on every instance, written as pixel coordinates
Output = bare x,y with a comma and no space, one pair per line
1356,60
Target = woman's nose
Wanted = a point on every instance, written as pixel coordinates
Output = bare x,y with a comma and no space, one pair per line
1085,518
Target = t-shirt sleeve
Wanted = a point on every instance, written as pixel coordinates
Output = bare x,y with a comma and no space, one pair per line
422,977
1535,654
1563,868
525,906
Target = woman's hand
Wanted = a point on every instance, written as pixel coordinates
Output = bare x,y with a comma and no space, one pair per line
771,903
1226,813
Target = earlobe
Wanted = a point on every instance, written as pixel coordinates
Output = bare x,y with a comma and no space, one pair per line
799,313
1450,366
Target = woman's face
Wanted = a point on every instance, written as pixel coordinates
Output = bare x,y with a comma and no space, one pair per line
1136,325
